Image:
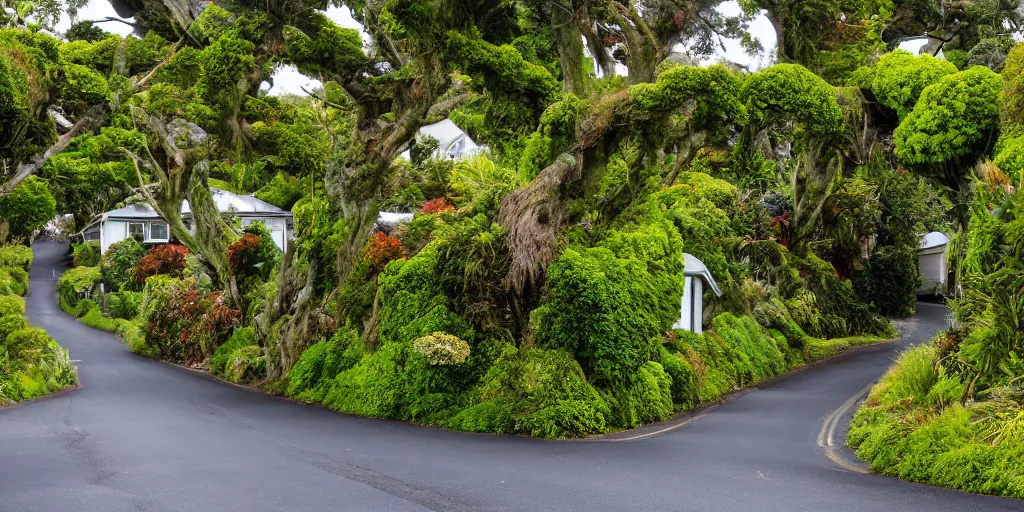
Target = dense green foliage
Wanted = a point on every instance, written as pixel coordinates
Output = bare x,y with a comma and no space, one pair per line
32,364
535,289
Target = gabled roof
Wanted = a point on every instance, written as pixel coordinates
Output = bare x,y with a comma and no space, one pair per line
227,202
695,267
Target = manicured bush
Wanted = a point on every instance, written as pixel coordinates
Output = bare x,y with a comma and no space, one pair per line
18,256
18,343
163,259
11,323
754,352
119,263
11,305
75,284
645,397
86,254
13,281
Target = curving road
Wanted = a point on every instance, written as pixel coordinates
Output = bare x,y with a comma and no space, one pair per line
142,435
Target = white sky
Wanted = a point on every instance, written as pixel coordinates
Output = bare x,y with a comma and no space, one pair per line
288,80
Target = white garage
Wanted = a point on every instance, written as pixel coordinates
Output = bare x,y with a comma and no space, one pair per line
931,257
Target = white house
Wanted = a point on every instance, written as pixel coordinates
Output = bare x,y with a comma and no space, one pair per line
697,275
144,223
931,258
454,143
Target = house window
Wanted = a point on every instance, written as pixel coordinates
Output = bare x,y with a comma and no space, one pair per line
158,232
137,230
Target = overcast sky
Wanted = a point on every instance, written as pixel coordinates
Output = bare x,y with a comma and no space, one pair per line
287,79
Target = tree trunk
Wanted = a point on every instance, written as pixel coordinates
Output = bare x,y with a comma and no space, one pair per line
570,46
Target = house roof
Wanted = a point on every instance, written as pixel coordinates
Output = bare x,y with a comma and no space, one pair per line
695,267
453,142
932,240
227,202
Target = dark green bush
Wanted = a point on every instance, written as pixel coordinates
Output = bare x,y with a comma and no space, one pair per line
119,262
124,304
890,280
604,309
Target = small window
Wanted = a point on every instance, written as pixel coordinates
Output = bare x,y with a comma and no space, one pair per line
158,232
137,230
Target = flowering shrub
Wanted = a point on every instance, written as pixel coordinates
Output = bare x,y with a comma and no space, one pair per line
382,249
437,206
441,349
163,259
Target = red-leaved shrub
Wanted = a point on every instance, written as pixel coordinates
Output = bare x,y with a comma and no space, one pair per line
244,252
382,249
437,206
185,324
163,259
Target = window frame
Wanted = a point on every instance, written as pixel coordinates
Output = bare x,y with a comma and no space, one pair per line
143,234
167,232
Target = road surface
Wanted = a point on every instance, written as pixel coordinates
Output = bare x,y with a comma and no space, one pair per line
140,435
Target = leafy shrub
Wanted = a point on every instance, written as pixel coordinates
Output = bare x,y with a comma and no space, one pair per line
535,391
239,359
645,397
125,304
11,323
94,318
890,280
184,324
755,354
13,281
86,254
163,259
441,349
382,249
119,263
18,256
319,364
75,284
11,305
28,207
602,308
18,343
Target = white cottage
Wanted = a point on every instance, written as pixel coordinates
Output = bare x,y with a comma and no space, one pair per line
144,223
931,258
697,275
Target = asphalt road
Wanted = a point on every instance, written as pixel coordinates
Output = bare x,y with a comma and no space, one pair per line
142,435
